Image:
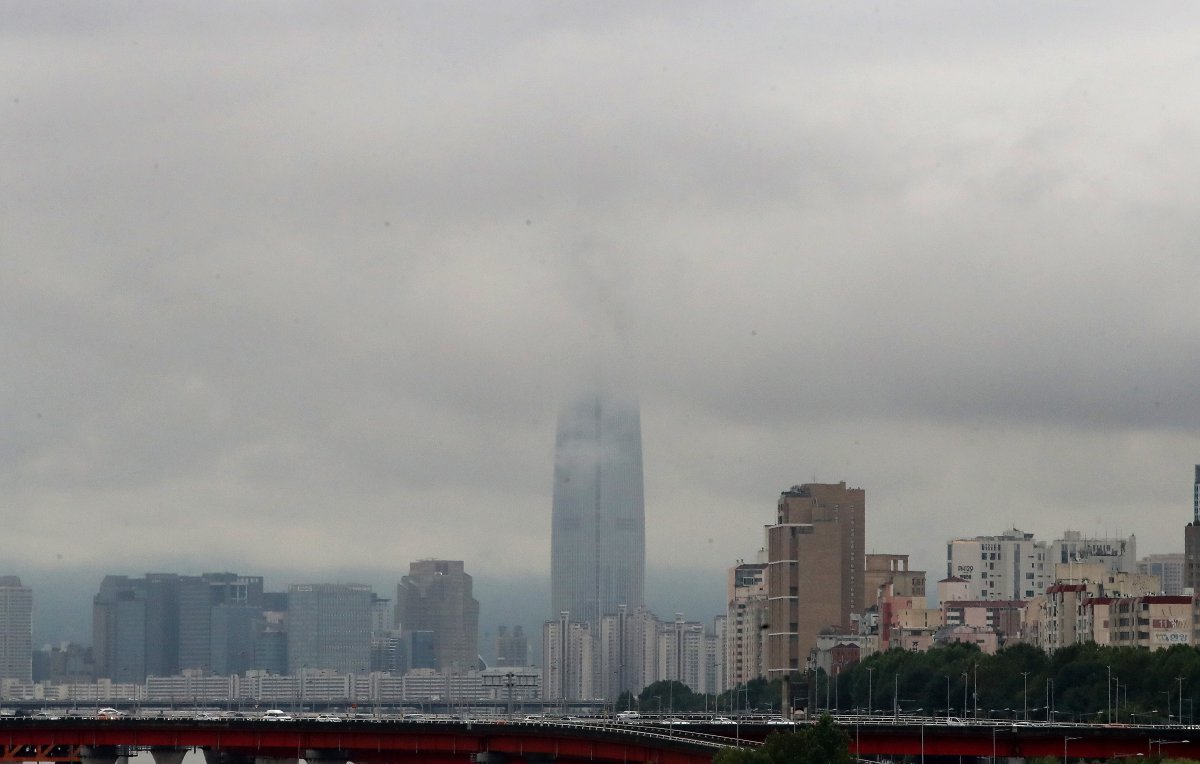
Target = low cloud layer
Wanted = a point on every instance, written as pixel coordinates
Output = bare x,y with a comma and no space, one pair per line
311,283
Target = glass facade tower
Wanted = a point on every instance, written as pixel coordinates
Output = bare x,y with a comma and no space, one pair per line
598,526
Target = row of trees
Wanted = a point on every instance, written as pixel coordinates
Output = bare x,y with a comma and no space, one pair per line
1084,682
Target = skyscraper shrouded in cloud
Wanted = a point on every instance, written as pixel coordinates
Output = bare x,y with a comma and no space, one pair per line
598,525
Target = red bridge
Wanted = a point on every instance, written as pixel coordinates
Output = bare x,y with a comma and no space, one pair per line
253,741
241,741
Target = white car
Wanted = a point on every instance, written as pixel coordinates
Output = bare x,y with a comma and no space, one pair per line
629,717
108,713
327,718
275,715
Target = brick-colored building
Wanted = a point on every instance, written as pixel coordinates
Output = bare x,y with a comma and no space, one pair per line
815,570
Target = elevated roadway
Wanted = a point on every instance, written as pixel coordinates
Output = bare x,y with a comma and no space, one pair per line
384,741
257,741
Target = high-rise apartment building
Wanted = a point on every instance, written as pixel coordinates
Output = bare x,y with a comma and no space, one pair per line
16,630
684,649
815,564
627,649
598,536
329,627
569,672
746,623
1191,541
435,597
1011,566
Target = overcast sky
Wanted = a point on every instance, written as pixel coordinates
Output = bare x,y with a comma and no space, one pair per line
301,286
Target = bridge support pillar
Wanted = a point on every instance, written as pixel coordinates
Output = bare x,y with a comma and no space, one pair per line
168,755
99,754
325,756
218,756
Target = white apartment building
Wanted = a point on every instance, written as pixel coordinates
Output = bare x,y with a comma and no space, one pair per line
626,639
683,654
1010,566
568,651
631,650
745,624
716,658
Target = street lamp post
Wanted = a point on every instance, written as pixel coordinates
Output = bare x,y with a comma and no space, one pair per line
870,695
1065,741
1161,743
964,695
1180,680
1025,693
896,695
975,688
1108,696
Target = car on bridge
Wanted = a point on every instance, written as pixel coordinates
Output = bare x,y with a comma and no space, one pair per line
108,713
629,717
276,715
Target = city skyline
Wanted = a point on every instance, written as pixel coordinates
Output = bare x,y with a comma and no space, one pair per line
299,292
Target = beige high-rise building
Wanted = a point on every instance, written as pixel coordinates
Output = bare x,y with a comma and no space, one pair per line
815,570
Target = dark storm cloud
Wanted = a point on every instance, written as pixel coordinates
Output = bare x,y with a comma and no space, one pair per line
323,274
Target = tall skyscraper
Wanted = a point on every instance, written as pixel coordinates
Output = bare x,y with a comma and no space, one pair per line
329,627
598,525
16,629
135,627
216,615
164,623
434,607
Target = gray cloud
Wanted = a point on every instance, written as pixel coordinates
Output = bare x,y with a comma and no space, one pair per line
309,285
